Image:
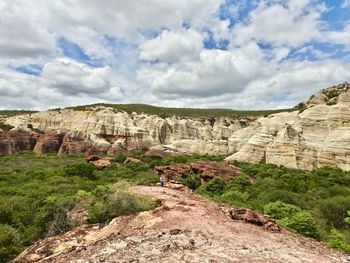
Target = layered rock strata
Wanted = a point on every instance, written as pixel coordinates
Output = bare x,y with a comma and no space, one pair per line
109,130
316,136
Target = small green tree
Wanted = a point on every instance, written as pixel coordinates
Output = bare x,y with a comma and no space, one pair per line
302,223
80,169
279,210
192,181
215,187
347,219
337,240
10,244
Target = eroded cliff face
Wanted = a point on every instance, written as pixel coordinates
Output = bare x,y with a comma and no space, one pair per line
318,135
106,129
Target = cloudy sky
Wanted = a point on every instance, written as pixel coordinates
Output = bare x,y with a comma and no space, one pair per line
181,53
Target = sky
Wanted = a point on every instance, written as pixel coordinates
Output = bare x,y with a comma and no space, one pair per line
256,54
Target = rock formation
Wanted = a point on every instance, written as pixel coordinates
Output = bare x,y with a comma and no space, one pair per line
317,135
109,130
184,228
17,140
206,170
49,142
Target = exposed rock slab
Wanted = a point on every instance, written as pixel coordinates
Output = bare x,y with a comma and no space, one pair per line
207,170
185,228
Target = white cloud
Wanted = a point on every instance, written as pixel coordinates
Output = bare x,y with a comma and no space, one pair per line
287,23
261,67
71,77
21,33
215,72
172,46
345,4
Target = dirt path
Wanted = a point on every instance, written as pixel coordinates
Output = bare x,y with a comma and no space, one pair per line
184,228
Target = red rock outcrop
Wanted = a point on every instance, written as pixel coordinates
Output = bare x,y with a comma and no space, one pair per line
250,216
131,160
154,153
17,140
49,142
207,170
74,144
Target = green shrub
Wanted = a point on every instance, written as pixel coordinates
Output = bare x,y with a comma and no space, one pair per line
302,223
279,210
81,169
5,127
192,181
334,210
215,187
347,219
234,197
116,202
337,240
10,244
6,215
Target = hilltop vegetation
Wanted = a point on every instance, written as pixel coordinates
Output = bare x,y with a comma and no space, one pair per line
181,112
10,113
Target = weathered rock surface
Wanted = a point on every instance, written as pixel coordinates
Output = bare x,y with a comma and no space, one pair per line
49,142
74,144
185,228
113,131
318,136
207,170
17,140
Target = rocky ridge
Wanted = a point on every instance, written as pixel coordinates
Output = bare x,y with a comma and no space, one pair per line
184,228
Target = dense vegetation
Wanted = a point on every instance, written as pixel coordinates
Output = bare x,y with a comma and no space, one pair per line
37,192
315,204
181,112
9,113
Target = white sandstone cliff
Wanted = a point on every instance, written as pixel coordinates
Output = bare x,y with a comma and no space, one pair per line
318,136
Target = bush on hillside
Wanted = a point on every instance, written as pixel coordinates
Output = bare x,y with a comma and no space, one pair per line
81,169
192,181
302,223
279,210
10,244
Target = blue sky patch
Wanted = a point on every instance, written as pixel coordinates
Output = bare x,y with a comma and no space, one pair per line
30,69
72,50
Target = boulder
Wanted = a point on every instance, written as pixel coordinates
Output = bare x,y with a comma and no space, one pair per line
99,162
207,170
154,153
250,216
131,160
